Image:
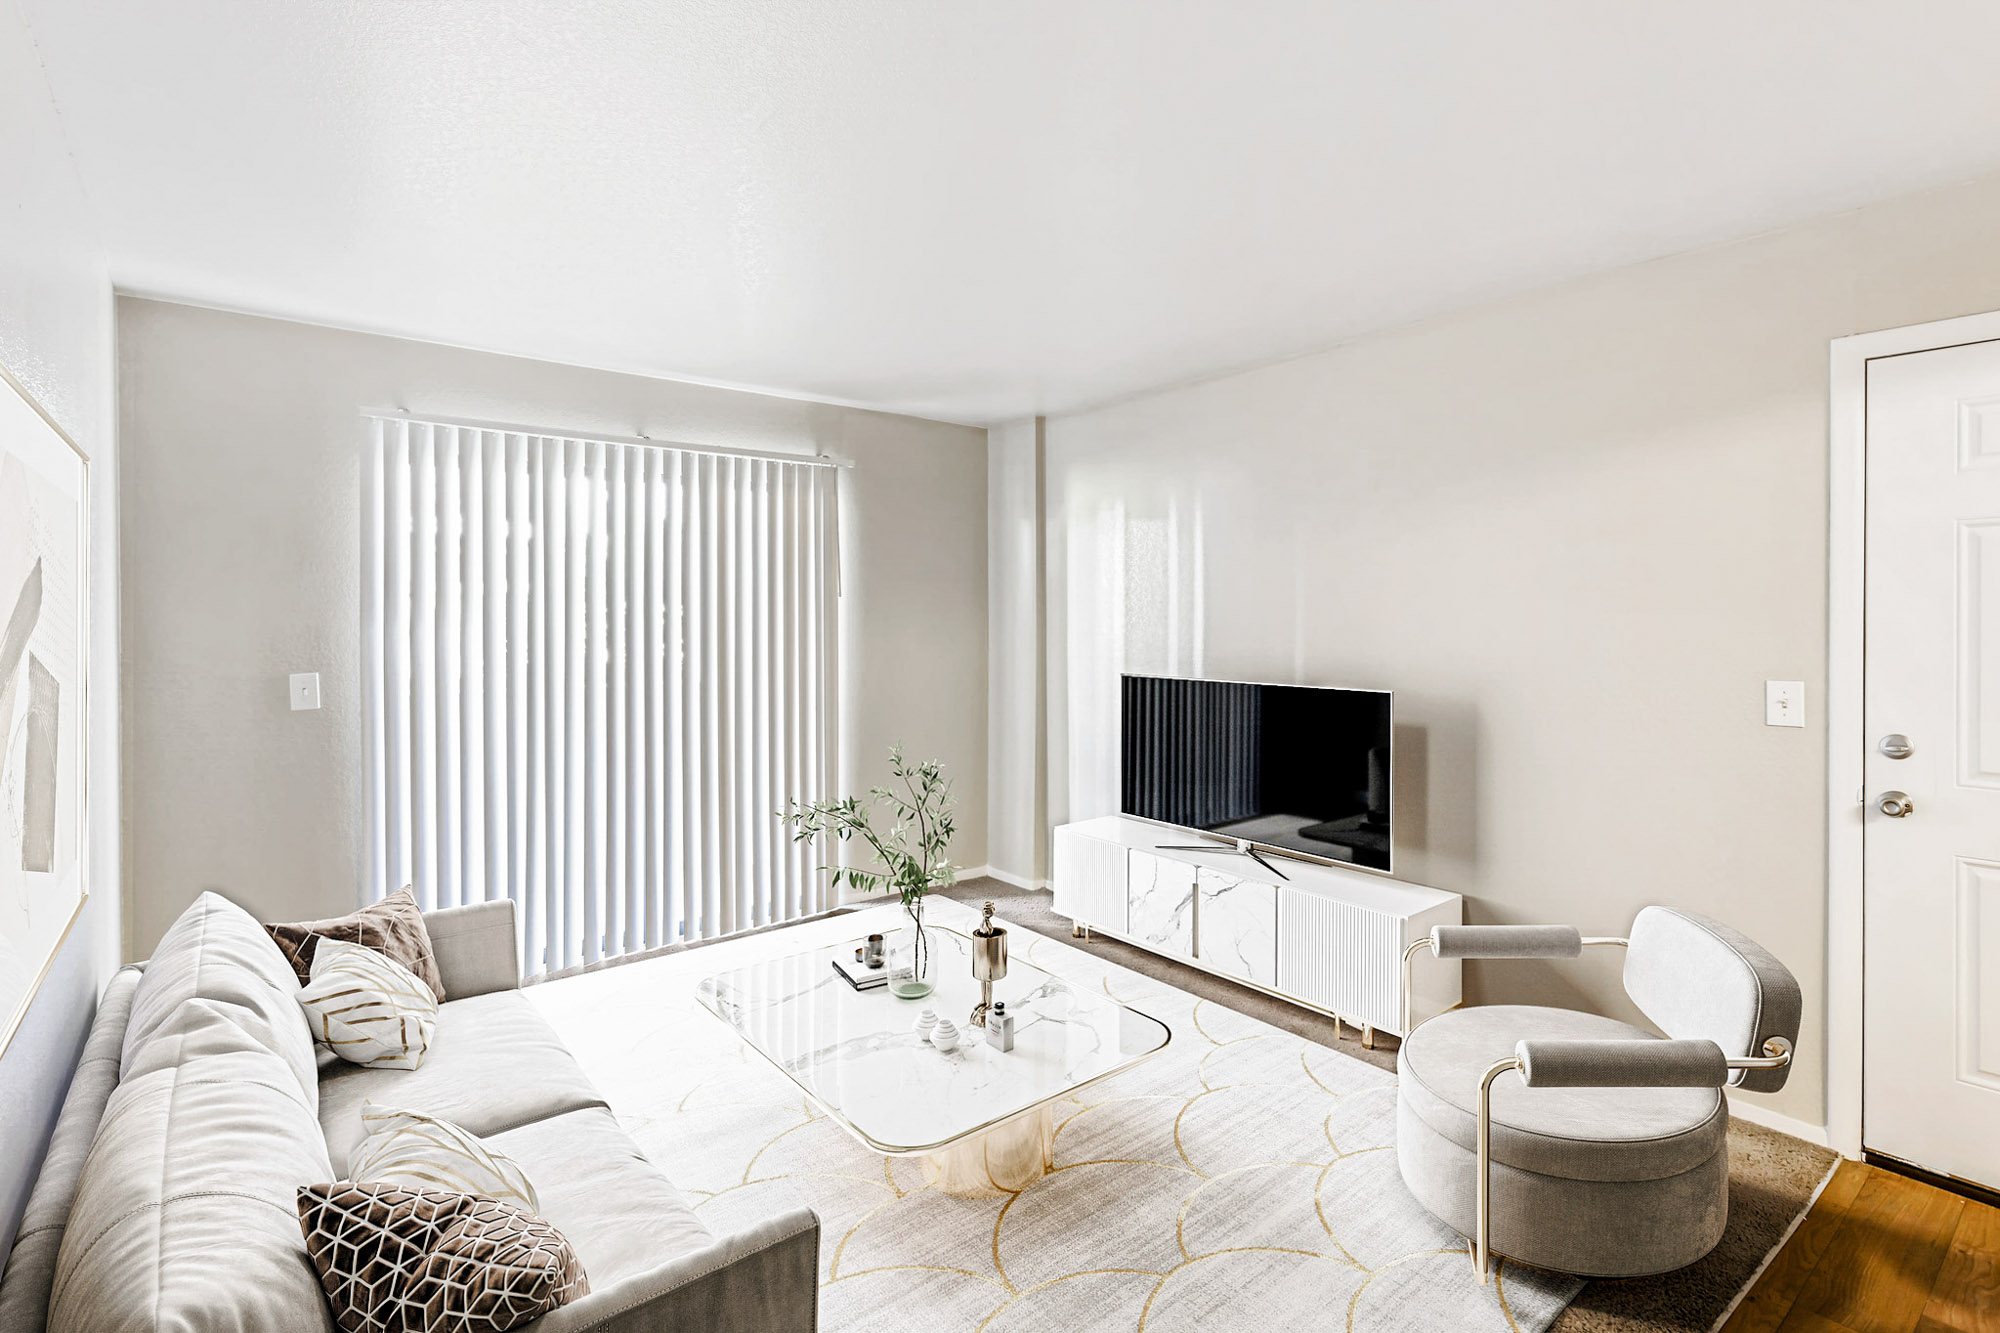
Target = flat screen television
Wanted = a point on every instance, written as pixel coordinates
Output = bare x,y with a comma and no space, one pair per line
1301,769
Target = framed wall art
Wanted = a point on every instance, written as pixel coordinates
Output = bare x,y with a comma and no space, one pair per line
44,656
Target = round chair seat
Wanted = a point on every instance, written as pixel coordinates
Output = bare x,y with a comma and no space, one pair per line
1606,1134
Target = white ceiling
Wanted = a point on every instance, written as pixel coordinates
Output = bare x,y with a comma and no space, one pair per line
973,209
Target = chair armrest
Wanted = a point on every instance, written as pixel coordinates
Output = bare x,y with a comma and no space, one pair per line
1632,1063
761,1280
1506,941
475,948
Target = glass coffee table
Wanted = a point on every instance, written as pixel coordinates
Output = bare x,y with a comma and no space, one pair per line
981,1118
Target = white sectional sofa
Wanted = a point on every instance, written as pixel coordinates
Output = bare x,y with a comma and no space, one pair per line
168,1197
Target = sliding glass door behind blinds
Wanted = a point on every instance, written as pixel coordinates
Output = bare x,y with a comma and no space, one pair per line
592,673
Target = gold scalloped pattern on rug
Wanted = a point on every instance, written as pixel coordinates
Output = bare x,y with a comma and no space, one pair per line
1243,1178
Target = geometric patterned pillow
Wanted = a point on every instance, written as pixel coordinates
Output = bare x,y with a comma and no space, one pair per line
368,1007
394,1260
421,1152
394,926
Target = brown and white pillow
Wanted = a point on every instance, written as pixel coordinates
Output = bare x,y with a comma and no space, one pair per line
393,926
396,1260
419,1151
368,1007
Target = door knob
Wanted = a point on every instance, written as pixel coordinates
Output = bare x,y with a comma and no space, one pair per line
1895,804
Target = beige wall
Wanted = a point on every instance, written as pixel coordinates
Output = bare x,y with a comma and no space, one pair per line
241,549
1575,532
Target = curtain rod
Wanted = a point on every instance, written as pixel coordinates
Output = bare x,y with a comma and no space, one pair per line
505,428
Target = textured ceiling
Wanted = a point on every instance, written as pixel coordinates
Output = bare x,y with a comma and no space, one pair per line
973,209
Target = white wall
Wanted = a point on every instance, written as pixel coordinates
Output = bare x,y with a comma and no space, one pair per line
242,540
1016,730
1575,532
55,337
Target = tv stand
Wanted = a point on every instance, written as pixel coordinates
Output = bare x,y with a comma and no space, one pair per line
1327,937
1237,847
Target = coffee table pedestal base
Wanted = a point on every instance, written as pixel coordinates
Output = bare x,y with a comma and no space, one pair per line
1006,1159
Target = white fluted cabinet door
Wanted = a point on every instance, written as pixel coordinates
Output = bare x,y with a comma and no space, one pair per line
1090,880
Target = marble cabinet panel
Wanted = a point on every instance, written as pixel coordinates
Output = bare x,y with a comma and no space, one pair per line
1160,903
1238,926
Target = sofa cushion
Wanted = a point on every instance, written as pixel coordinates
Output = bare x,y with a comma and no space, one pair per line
395,1260
186,1211
1577,1133
217,984
393,927
623,1216
494,1063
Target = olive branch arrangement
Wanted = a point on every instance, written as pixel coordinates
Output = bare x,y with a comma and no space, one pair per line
909,855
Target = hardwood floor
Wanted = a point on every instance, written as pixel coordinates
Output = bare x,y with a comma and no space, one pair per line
1880,1253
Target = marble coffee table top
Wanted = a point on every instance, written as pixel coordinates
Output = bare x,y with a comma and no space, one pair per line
858,1056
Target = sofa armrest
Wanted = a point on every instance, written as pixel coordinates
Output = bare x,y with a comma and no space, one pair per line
475,948
764,1279
1628,1063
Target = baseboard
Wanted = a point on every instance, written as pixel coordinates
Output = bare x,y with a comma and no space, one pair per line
1005,877
1745,1109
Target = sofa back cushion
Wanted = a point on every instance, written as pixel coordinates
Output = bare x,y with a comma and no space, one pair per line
186,1213
218,984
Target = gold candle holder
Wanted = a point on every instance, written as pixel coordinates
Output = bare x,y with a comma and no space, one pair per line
989,962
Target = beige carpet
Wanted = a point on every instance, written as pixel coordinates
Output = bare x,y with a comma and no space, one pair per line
1772,1176
1245,1178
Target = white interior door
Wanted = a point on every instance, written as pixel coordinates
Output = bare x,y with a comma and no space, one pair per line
1931,930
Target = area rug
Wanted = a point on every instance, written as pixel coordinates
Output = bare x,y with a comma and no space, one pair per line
1244,1178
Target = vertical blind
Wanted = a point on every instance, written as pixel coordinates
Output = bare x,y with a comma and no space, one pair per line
593,672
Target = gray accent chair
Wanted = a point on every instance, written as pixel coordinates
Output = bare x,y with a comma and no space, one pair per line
1579,1143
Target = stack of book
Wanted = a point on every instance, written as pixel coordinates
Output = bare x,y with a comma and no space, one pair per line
858,974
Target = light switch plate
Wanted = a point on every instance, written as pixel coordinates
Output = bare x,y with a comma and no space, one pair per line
305,690
1784,703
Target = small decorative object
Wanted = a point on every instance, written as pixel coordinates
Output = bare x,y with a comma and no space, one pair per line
989,962
945,1035
927,1020
875,951
1000,1027
910,854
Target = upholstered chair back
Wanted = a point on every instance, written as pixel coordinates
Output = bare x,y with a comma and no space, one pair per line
1697,978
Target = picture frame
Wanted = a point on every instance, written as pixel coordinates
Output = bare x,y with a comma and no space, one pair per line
44,695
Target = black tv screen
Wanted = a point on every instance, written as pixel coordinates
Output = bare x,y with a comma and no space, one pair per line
1296,767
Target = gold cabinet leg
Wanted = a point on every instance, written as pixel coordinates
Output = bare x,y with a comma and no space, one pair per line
1367,1037
1078,931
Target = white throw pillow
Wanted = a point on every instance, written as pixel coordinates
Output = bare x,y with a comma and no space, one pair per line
368,1007
421,1152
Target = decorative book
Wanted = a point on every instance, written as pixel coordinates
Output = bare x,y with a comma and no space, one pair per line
860,975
